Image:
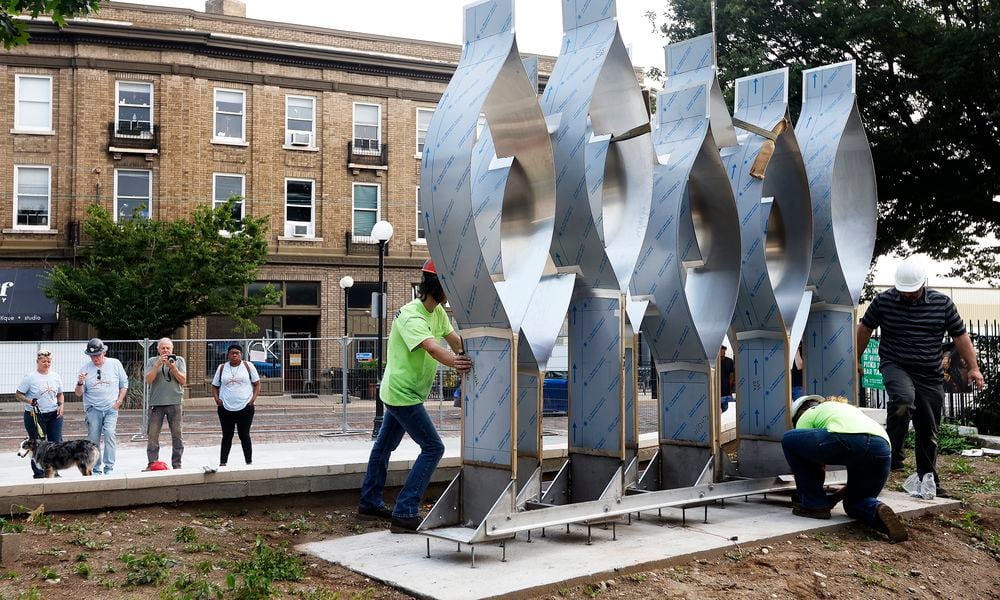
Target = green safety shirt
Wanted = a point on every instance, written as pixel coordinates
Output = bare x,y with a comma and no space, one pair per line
837,417
409,369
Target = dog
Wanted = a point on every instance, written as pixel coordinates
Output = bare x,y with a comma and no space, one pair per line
53,456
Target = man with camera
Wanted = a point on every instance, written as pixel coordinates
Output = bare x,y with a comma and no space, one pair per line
166,375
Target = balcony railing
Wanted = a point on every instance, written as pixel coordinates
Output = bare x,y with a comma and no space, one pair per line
365,153
124,136
362,245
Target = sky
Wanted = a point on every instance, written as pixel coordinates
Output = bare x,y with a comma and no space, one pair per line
538,24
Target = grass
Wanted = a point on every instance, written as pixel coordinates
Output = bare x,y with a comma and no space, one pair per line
987,539
252,579
151,568
826,542
82,569
48,574
192,587
949,440
961,467
10,526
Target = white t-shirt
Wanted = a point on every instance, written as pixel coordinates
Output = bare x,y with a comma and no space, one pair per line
235,384
44,388
102,384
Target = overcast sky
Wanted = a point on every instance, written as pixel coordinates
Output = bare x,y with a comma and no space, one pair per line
538,24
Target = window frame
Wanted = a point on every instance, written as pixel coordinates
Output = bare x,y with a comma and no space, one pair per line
354,129
243,117
149,206
18,126
378,207
288,132
288,226
48,194
419,150
118,106
418,225
243,192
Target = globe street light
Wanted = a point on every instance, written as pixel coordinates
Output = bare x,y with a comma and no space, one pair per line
382,232
345,284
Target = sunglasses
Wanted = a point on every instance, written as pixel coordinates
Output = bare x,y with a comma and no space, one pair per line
98,374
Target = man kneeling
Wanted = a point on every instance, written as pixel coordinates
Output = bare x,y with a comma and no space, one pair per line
836,433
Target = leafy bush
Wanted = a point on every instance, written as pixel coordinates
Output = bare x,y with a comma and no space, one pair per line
10,526
185,534
949,440
251,579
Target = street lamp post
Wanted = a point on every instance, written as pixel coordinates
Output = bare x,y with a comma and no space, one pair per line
345,284
382,232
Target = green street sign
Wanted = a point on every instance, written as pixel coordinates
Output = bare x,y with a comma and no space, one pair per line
871,377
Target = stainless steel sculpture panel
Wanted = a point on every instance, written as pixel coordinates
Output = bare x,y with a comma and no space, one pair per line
769,183
689,266
842,181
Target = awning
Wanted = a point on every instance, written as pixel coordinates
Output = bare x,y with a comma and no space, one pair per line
22,301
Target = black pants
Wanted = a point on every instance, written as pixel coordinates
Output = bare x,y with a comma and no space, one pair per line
921,400
239,420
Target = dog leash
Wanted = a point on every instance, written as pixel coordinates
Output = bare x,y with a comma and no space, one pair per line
34,415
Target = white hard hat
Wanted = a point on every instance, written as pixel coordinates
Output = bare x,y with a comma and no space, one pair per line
911,275
802,400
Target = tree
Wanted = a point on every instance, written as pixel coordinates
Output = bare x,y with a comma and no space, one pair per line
15,33
142,278
929,93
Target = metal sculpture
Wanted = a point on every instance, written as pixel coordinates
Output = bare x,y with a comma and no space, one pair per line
603,161
690,266
838,160
772,196
490,198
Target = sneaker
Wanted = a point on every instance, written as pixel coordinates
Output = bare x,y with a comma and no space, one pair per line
97,473
369,514
893,525
177,466
404,524
149,467
812,513
108,471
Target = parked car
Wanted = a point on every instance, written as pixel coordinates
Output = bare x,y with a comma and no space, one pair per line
555,393
266,358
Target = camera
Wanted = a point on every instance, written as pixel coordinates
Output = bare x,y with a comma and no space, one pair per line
172,357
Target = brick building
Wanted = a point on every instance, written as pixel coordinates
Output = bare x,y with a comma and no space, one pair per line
152,111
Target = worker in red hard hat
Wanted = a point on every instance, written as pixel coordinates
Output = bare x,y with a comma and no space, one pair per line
413,357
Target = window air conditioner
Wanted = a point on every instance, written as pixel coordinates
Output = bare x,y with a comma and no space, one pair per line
300,230
302,138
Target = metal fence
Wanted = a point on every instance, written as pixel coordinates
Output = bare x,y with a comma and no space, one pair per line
333,379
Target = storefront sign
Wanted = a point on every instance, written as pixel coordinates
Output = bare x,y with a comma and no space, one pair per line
22,301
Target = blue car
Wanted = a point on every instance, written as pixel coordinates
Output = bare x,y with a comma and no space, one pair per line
555,396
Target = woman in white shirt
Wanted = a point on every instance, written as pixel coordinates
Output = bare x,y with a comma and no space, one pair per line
235,388
42,393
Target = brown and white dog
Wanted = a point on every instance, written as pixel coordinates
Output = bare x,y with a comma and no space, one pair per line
54,456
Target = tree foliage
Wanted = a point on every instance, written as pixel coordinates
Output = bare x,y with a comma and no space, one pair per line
15,33
142,278
929,93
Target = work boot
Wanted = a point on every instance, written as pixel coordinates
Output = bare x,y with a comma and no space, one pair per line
891,523
404,524
812,513
367,513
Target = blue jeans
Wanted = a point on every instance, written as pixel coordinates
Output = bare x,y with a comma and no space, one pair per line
103,421
866,457
398,420
51,425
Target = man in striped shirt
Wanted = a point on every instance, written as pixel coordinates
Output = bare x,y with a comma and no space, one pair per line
913,321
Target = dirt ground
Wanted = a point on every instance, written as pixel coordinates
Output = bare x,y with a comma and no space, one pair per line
241,549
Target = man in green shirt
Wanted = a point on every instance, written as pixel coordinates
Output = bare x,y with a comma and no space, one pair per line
827,432
166,374
413,356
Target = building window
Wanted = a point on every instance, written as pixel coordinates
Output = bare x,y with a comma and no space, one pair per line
300,121
421,234
224,187
366,207
423,122
299,197
33,108
367,132
133,194
230,117
135,108
32,197
301,293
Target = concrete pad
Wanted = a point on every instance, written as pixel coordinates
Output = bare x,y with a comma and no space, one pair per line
565,559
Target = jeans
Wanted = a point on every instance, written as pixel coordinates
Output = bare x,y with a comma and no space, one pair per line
103,421
920,400
240,420
866,457
51,425
173,414
398,420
